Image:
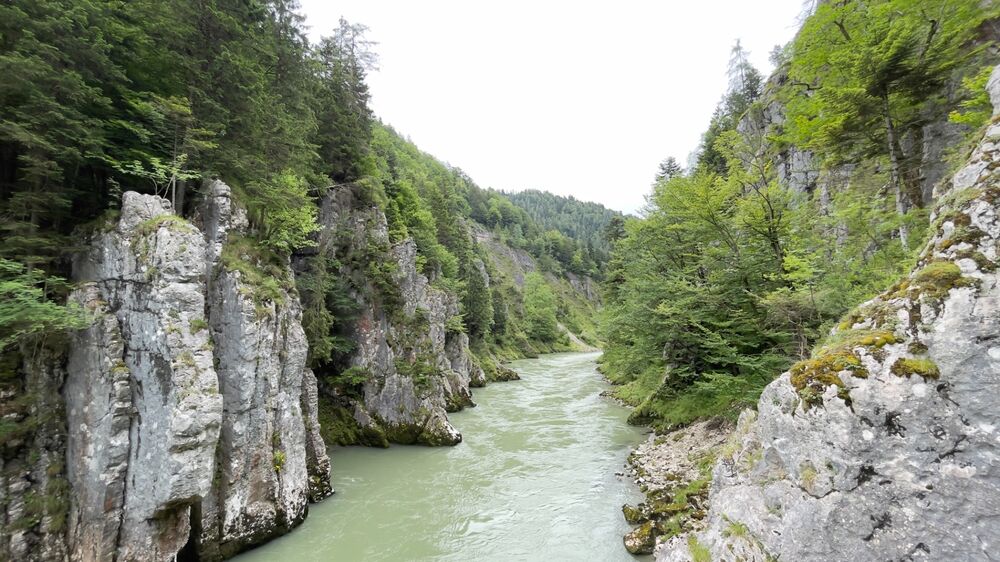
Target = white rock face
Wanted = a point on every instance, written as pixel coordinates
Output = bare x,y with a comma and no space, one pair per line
185,430
993,87
901,462
135,491
263,485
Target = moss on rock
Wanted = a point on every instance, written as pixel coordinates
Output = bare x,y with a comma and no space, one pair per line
810,377
921,366
936,279
337,425
642,539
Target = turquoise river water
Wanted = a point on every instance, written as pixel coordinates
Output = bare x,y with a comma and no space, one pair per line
533,479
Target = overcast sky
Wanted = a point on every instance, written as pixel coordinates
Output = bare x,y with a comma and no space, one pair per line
574,97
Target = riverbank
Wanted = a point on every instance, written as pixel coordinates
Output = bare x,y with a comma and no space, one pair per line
673,471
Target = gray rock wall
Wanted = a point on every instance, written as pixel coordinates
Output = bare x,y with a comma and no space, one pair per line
262,483
191,415
885,446
150,272
418,370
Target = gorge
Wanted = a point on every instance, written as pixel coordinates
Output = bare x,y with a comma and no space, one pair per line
241,317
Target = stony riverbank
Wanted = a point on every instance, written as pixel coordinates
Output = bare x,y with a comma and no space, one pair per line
673,471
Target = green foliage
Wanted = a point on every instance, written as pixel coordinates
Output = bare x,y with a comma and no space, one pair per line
454,325
350,380
263,273
284,211
582,248
478,300
424,201
975,110
328,310
870,74
539,309
26,306
421,368
699,552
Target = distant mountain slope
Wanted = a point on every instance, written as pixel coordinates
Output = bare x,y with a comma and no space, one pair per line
581,220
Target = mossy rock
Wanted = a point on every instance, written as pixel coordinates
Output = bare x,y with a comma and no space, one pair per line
810,377
642,539
171,222
920,366
455,402
936,279
503,373
633,514
338,426
984,263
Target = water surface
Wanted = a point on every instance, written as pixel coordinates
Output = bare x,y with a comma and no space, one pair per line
533,479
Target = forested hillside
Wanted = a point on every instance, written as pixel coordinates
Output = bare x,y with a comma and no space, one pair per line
582,221
810,193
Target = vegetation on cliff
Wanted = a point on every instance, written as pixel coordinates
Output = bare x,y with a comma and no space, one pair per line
807,196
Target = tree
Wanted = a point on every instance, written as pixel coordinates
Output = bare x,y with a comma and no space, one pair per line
25,308
478,300
745,87
669,169
344,133
870,69
540,309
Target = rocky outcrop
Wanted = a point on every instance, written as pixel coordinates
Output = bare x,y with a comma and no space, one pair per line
515,262
672,471
884,445
34,499
418,368
262,484
142,398
185,397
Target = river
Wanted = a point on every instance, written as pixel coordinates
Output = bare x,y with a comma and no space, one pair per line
533,479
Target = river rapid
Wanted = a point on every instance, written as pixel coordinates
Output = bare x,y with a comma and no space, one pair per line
533,479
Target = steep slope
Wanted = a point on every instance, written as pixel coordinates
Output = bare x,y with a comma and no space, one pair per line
412,362
190,414
882,446
409,358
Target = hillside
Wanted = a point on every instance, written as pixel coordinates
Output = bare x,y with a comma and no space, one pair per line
225,282
801,204
580,220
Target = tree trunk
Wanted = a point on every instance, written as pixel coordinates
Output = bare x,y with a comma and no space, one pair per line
895,170
181,193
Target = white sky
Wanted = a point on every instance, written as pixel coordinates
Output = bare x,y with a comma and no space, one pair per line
574,97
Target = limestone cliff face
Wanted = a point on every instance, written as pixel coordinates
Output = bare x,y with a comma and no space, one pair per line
263,480
189,408
418,370
799,169
885,445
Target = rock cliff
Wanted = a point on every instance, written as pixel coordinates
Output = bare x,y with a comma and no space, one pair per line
884,445
417,366
190,419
